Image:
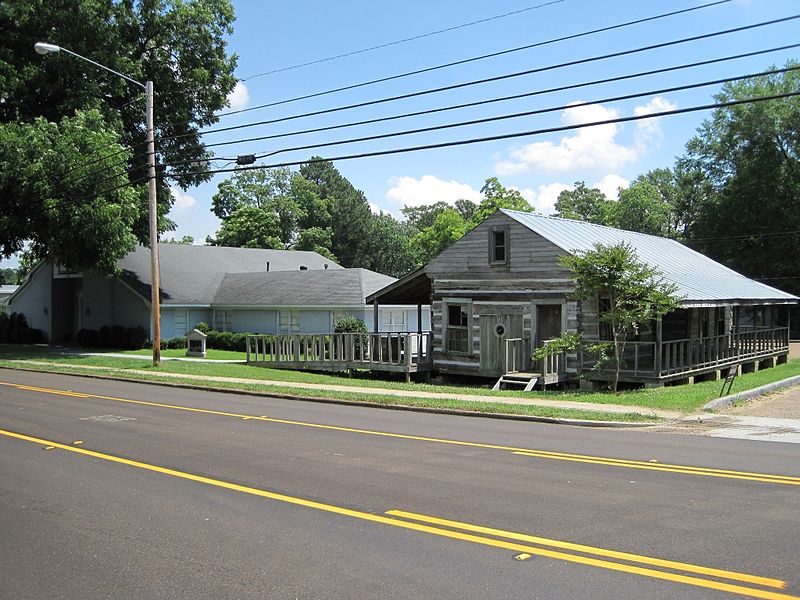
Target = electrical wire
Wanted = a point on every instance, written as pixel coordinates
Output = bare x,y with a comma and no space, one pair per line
403,41
481,57
491,100
523,114
506,136
552,67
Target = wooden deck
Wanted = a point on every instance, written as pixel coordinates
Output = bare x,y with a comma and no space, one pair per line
399,352
674,360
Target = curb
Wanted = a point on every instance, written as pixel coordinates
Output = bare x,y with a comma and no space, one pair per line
323,400
746,395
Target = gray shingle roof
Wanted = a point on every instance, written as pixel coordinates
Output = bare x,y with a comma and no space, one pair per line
699,278
331,287
193,274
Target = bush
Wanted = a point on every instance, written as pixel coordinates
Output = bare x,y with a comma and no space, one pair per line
103,336
204,327
14,329
135,338
117,337
177,343
349,325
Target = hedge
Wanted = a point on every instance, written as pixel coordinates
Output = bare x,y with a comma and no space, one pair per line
14,329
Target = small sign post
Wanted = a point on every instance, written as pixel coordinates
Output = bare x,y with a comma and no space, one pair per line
732,372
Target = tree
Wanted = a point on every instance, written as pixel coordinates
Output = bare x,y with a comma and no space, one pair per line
642,208
350,213
740,181
495,197
179,45
390,246
249,227
583,204
187,240
448,227
93,225
635,293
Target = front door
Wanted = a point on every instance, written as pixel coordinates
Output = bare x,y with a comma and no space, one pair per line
495,329
548,323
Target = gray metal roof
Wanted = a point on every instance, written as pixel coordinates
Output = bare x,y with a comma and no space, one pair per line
698,278
193,274
331,287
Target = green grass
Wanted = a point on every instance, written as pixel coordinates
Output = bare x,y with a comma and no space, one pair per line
378,399
211,354
684,398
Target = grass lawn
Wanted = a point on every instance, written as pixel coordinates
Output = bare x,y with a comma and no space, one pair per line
683,398
211,354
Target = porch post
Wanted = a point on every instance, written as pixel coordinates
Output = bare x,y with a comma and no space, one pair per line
419,318
375,316
657,357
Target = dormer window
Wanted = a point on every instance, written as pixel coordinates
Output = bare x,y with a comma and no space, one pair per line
498,246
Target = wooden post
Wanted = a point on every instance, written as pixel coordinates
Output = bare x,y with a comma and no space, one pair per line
419,318
375,319
247,347
658,347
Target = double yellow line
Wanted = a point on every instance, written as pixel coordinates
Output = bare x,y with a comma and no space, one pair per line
520,543
528,452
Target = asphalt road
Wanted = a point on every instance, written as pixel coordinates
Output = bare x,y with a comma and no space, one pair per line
253,497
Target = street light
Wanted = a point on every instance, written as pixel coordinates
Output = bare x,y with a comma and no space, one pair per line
155,300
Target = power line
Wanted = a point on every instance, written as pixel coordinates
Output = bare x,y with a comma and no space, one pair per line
478,58
521,73
513,135
491,100
524,114
403,41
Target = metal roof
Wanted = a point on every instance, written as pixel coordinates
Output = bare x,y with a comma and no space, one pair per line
699,279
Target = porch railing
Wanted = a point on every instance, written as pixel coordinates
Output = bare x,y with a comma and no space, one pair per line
675,357
411,351
517,355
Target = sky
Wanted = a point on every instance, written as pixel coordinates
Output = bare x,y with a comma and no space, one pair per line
275,40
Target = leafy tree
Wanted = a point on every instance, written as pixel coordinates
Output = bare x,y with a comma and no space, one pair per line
391,247
584,204
92,225
642,208
740,181
187,240
448,227
351,217
249,227
496,196
425,215
636,293
316,239
178,44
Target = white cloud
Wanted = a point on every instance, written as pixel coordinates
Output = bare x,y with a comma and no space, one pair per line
590,148
376,210
183,202
239,98
610,185
546,196
648,131
408,191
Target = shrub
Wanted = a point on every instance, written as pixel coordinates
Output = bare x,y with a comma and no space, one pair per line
103,336
349,325
87,338
204,327
176,343
117,338
135,338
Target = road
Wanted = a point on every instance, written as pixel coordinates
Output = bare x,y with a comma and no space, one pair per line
125,490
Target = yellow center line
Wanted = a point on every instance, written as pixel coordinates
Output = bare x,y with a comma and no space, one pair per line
652,467
658,562
600,460
375,518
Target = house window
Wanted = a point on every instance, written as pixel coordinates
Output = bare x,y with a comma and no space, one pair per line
396,320
458,329
222,320
180,322
288,321
498,246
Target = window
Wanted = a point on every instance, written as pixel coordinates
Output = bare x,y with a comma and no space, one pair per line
396,320
222,320
288,321
498,246
458,329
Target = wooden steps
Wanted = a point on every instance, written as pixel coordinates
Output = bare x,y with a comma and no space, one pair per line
525,380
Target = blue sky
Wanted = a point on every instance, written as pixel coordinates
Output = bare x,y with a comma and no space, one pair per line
275,35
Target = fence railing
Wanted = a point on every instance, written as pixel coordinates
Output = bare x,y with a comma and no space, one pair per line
343,350
675,357
517,355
